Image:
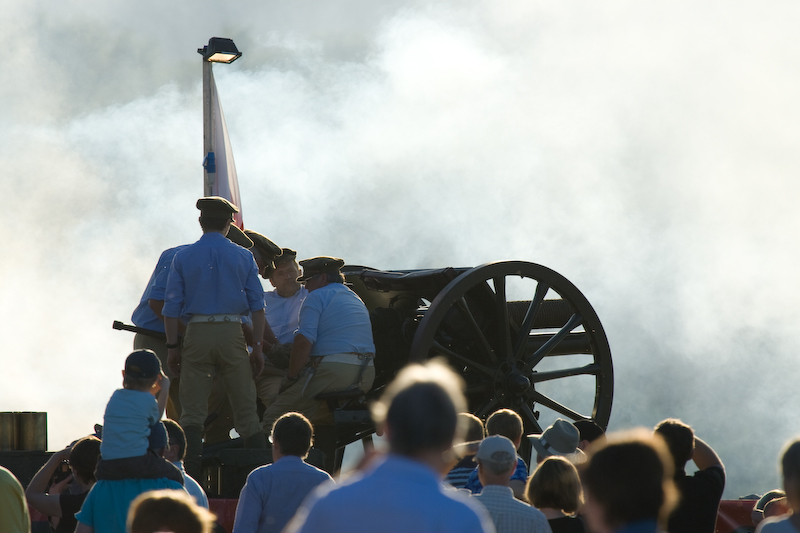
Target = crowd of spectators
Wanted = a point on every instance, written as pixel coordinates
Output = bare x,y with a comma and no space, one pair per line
581,480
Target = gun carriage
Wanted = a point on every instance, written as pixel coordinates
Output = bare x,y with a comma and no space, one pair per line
521,335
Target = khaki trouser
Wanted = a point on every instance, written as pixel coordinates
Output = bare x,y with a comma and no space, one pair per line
300,396
268,384
217,348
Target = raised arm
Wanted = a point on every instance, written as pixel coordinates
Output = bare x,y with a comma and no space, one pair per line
47,504
163,394
704,456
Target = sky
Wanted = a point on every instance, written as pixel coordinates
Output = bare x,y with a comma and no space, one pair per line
646,151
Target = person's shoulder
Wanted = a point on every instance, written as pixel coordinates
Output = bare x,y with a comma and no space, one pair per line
133,395
272,296
713,474
169,253
260,472
460,497
465,511
127,397
8,478
317,296
313,469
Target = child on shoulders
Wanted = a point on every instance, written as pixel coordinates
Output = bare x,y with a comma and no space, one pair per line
130,416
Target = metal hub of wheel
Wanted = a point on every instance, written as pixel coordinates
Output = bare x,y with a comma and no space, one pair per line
522,337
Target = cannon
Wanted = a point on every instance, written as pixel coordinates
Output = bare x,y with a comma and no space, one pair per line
520,334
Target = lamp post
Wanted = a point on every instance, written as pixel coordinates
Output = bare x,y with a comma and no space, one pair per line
218,50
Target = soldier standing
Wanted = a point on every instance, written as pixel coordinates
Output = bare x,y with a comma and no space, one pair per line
214,282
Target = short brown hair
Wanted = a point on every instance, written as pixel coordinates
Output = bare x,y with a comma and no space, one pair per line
630,477
168,510
473,427
680,440
293,433
176,437
83,458
505,422
555,484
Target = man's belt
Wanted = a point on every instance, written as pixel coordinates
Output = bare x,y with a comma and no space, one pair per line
214,319
353,358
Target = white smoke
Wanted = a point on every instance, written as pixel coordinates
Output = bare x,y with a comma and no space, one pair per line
645,151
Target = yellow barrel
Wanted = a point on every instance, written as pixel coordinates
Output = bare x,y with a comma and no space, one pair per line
32,431
8,431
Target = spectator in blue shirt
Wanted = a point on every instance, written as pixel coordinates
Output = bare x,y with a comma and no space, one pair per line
507,423
475,432
273,492
403,492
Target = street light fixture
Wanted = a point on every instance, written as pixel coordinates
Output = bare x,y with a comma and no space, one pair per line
220,50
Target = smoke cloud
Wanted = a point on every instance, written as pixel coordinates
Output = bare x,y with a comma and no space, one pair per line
645,151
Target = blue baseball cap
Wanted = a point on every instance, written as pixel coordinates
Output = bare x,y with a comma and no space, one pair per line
142,364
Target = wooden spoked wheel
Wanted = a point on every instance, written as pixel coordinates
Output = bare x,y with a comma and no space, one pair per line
523,337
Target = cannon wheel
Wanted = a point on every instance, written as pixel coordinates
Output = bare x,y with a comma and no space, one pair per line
533,364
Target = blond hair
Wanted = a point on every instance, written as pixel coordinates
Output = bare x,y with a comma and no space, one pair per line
555,485
168,510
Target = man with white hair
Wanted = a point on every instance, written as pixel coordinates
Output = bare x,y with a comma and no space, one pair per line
403,491
497,461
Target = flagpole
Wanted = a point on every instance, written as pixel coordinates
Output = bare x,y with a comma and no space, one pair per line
209,164
218,50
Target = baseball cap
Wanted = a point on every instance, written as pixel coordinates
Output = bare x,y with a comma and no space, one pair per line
497,449
142,364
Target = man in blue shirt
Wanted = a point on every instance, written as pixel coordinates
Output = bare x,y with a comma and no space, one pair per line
147,315
507,423
273,492
403,492
214,282
333,347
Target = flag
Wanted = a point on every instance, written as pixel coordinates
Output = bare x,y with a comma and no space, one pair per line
219,163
